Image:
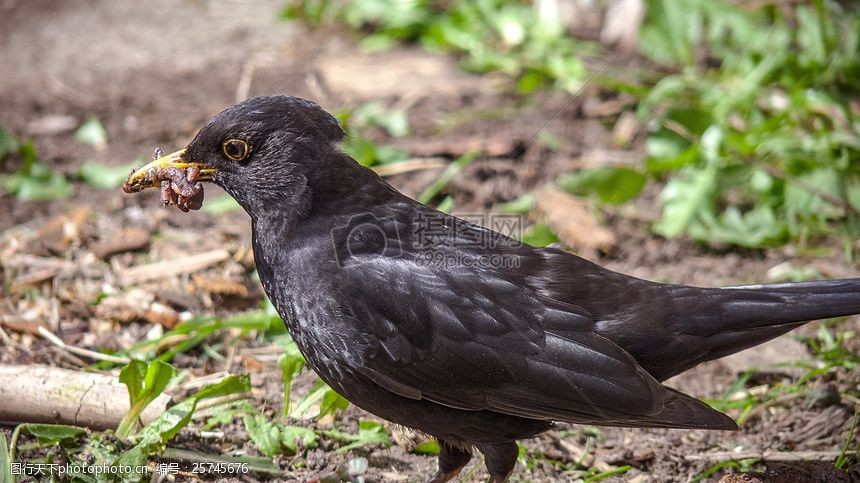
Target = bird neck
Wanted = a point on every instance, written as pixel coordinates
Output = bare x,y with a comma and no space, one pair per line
354,188
321,198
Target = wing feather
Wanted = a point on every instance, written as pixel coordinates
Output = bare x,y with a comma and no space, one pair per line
472,340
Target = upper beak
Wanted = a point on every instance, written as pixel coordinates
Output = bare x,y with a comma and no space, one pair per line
151,175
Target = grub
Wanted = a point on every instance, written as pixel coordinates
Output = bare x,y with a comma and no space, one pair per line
179,186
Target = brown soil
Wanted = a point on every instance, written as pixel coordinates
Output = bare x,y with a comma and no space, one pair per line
152,72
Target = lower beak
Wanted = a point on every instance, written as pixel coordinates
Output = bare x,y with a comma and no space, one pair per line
152,174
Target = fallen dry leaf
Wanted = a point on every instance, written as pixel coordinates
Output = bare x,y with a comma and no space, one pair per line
128,240
58,233
22,325
219,285
572,221
136,305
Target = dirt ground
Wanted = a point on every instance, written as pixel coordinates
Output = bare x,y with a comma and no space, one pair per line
154,71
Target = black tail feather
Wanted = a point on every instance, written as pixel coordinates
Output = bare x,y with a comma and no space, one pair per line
692,325
790,303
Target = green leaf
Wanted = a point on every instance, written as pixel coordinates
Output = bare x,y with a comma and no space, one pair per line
367,153
442,181
153,438
158,375
292,436
694,120
227,386
811,37
611,185
34,181
755,228
567,70
521,205
133,375
5,461
687,157
853,195
291,364
389,154
711,141
377,43
332,402
54,186
54,433
683,198
369,432
531,81
265,434
92,133
8,144
372,113
223,418
446,205
105,177
302,408
273,438
539,235
429,447
144,385
671,31
665,144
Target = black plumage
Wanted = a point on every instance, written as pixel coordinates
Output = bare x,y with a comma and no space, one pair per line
469,336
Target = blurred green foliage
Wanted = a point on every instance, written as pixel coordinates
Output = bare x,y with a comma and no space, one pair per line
523,39
610,184
104,176
752,132
33,180
359,122
92,133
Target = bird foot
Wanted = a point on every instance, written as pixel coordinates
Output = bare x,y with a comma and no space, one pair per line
441,477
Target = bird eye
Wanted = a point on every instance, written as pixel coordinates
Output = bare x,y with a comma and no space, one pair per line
236,149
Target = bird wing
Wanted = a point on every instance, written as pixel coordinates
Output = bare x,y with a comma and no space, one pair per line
471,340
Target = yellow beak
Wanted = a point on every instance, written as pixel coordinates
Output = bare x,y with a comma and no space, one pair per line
148,175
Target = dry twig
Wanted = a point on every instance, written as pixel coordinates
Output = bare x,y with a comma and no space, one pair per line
720,456
169,268
53,339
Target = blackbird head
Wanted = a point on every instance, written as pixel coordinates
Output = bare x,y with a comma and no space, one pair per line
263,152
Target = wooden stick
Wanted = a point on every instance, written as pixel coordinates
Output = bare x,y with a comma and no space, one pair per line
169,268
764,455
44,394
409,165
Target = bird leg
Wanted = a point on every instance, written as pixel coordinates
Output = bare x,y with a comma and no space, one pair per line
453,457
500,459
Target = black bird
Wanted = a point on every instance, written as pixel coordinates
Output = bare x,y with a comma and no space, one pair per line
443,326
